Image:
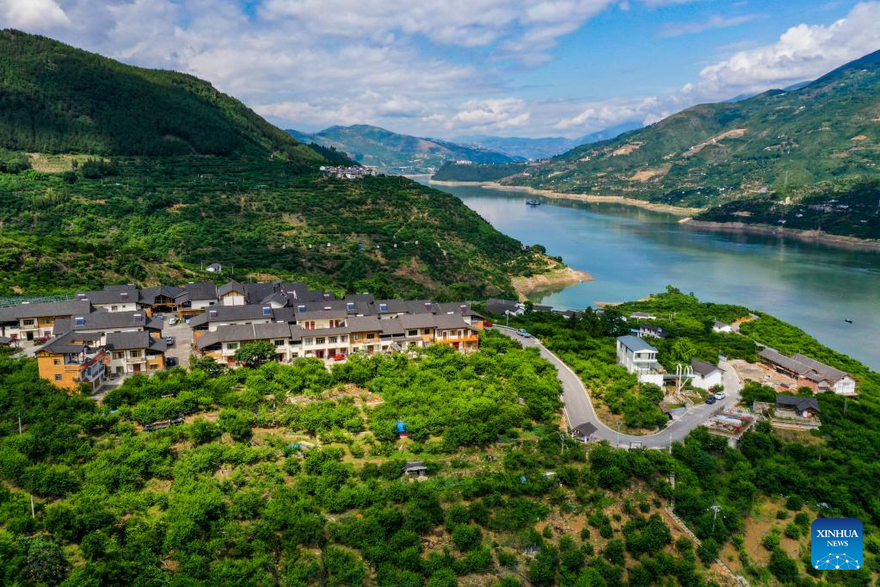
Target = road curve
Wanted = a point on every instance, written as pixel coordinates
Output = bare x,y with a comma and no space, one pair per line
579,408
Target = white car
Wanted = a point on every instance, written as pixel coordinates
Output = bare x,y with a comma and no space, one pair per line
172,321
720,395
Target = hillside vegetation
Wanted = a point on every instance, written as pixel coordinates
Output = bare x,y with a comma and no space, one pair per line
783,149
111,173
58,99
397,153
153,221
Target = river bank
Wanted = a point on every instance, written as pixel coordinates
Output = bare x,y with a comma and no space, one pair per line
606,199
555,278
812,236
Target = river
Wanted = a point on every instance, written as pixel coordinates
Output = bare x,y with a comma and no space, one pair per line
633,252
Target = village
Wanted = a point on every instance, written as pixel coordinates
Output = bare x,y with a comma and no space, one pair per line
101,337
121,330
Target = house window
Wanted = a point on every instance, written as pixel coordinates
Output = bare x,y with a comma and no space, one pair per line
426,331
58,378
56,361
153,366
383,307
371,336
135,354
320,340
355,337
350,306
332,340
27,322
343,339
46,321
231,346
307,341
79,321
279,343
412,332
114,308
118,355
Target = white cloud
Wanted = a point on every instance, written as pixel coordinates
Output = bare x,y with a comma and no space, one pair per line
599,115
33,14
802,52
496,114
676,29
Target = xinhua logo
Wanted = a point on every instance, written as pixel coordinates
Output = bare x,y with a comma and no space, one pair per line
836,544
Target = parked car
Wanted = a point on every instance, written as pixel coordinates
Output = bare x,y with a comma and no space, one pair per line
711,400
170,340
488,324
171,361
160,316
339,357
524,333
172,321
720,395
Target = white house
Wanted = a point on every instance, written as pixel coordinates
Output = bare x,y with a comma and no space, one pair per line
642,316
706,375
640,358
720,326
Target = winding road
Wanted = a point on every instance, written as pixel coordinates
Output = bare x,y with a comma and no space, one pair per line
579,409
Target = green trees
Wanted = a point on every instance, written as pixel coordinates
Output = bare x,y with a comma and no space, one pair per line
255,354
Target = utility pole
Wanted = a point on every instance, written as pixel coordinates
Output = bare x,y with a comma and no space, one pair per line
33,514
19,422
715,509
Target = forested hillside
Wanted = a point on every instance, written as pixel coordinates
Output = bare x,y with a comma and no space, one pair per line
111,173
58,99
782,150
150,221
712,153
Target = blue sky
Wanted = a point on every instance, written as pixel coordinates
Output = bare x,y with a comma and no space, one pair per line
456,67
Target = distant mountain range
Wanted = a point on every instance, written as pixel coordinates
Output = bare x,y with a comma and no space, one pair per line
774,143
542,148
398,153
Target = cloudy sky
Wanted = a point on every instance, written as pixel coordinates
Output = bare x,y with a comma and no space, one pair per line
449,68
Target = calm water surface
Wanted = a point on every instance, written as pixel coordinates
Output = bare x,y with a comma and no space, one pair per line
633,252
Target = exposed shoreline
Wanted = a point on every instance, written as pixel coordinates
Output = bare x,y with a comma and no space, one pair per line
558,277
492,185
813,236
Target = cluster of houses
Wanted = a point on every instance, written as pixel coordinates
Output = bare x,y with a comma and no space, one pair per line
809,372
348,172
118,330
514,308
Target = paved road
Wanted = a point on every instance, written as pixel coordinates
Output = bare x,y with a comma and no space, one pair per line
579,409
182,347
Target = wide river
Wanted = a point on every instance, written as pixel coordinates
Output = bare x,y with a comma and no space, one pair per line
633,252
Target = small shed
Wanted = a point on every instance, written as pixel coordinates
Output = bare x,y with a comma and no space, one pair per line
215,268
806,407
415,469
584,432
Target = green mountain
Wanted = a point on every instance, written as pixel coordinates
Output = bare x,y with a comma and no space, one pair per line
776,142
58,99
396,153
111,173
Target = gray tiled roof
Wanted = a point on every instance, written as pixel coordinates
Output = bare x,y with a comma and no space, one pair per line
101,320
231,314
46,309
120,341
112,294
703,368
245,333
634,343
797,402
